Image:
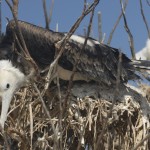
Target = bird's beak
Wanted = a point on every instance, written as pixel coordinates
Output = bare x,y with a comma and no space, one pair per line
6,99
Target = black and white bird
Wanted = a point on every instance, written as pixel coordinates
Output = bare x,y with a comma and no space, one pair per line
97,62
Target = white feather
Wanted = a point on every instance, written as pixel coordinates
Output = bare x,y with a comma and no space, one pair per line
81,40
11,78
7,65
144,54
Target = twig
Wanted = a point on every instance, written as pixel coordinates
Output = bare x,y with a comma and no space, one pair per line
142,141
85,5
78,59
60,44
19,45
148,2
60,115
31,123
45,14
119,68
57,27
74,70
84,9
15,7
5,137
128,31
48,18
144,19
105,124
116,24
14,11
0,20
100,26
84,31
48,114
103,38
51,11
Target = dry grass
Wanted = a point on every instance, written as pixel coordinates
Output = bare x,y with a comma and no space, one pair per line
28,126
86,120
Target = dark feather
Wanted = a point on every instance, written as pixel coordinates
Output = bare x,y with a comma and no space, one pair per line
97,62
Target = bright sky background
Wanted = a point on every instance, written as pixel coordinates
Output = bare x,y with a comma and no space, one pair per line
66,12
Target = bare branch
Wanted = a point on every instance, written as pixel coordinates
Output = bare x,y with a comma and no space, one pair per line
48,114
84,31
60,44
14,10
31,123
51,12
144,19
7,145
148,2
103,38
116,93
48,18
92,116
75,66
0,20
100,26
116,24
85,5
131,41
61,114
45,14
57,28
15,7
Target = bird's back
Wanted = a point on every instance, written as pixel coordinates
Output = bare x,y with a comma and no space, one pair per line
96,61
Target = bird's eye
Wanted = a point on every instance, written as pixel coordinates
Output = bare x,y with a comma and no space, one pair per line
7,85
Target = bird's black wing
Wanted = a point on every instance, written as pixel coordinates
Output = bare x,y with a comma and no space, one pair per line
39,41
97,61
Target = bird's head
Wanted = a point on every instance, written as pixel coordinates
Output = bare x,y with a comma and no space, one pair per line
11,78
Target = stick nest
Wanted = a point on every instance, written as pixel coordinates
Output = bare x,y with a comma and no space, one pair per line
88,120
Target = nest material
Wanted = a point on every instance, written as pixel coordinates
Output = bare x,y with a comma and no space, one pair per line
87,121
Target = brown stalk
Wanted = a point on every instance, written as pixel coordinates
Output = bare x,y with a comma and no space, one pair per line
60,47
131,41
31,124
85,5
60,44
105,124
116,24
48,18
74,70
49,116
75,65
5,138
14,10
144,19
0,20
60,115
100,26
148,2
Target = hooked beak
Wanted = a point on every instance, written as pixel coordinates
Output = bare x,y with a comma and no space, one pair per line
6,99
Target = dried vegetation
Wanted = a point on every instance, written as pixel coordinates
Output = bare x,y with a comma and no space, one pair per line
89,116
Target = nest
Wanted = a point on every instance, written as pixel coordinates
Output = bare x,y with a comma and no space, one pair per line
92,117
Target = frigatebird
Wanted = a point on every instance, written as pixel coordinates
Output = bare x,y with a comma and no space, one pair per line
97,61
